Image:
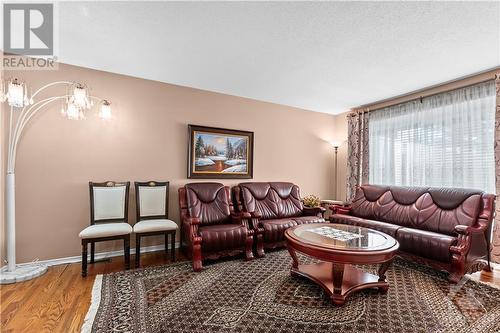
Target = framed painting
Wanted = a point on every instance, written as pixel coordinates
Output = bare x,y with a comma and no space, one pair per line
219,153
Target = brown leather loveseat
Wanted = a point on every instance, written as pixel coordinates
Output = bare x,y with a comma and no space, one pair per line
447,228
274,207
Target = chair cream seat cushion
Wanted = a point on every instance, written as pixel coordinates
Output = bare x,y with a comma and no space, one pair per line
154,225
106,230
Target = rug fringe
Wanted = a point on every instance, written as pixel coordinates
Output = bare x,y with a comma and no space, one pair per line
94,305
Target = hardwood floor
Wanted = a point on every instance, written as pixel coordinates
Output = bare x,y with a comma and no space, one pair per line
58,301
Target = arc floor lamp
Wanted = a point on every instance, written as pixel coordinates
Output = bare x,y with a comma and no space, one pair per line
23,108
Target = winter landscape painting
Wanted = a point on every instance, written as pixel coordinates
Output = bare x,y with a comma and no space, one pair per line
219,153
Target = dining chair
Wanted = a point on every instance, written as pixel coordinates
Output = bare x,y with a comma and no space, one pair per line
108,219
152,215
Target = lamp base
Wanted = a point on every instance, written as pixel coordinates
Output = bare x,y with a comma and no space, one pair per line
22,273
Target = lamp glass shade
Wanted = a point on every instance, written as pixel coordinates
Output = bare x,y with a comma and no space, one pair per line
15,94
72,112
105,112
80,98
336,144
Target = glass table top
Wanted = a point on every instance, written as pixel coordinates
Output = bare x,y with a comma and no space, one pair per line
343,237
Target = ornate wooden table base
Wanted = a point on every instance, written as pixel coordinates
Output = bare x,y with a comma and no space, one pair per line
339,280
339,247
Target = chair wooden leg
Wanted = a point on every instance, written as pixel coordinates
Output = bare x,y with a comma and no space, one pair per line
126,248
137,250
166,242
84,258
92,251
172,245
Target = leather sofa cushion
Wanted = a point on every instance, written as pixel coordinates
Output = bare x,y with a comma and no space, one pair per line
222,236
274,230
426,244
308,219
387,228
272,200
209,202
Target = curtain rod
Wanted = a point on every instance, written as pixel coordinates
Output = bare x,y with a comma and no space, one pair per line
367,108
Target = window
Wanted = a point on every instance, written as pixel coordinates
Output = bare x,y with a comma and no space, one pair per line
445,140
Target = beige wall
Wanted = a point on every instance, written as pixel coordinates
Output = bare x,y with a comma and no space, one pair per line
148,140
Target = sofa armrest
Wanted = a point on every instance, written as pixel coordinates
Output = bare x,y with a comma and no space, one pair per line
241,215
255,215
314,211
468,230
464,238
254,222
339,209
191,228
191,220
465,233
242,218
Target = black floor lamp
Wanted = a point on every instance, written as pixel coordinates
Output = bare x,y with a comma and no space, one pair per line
336,145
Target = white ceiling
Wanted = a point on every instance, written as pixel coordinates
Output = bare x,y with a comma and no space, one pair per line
326,57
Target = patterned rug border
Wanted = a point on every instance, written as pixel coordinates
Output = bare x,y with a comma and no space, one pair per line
95,302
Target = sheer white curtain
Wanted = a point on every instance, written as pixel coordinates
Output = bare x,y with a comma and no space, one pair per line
445,140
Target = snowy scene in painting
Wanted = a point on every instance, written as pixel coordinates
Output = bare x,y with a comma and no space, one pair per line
220,153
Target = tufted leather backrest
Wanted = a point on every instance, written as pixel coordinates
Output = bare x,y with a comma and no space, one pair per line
209,202
425,208
272,200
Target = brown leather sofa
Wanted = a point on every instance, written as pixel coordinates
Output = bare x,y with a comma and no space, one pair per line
273,207
446,228
210,227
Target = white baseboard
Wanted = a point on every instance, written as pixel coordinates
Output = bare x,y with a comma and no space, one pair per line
98,256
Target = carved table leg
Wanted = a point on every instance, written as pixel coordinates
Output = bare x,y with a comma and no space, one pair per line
381,274
295,263
338,279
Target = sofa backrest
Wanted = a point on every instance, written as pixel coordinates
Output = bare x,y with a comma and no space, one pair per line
272,200
426,208
209,202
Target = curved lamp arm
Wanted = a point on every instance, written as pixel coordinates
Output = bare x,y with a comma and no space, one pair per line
27,113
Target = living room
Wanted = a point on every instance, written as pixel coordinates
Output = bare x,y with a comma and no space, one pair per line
250,166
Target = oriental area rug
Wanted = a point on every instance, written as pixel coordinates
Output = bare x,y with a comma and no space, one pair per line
261,296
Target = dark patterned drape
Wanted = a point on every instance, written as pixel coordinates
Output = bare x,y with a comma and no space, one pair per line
495,254
357,150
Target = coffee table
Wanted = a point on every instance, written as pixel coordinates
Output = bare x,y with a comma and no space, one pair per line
340,246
